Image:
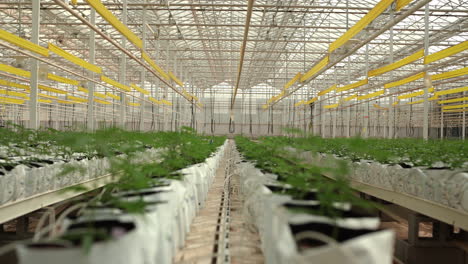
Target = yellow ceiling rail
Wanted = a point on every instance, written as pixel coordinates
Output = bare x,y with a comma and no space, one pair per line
61,79
450,74
401,3
291,82
113,96
452,91
199,104
53,90
349,98
416,102
175,79
102,102
265,106
353,85
154,100
395,103
414,94
379,107
45,101
186,94
100,95
133,104
13,84
371,95
433,98
406,80
454,106
115,22
139,89
153,64
331,106
115,83
96,94
74,59
301,102
271,100
82,89
47,96
23,43
14,70
446,52
453,100
360,25
312,100
324,92
409,59
11,100
164,101
77,99
13,93
189,96
315,69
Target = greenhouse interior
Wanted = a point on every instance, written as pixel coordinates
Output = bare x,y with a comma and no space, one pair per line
235,131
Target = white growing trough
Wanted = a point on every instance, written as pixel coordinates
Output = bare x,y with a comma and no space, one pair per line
156,236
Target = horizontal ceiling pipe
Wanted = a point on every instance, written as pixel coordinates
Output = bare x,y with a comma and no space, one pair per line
219,25
143,4
387,26
118,46
214,38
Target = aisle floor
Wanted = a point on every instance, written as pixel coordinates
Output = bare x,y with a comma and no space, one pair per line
201,245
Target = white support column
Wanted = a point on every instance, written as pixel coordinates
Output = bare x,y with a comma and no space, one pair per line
143,76
165,95
427,80
323,118
34,81
123,72
314,114
463,120
391,109
91,85
348,109
441,124
366,116
375,119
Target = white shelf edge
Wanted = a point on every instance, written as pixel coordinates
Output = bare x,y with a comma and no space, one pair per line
434,210
18,208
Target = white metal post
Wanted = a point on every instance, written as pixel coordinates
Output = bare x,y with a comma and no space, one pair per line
427,78
314,114
143,76
348,109
323,118
463,120
441,124
123,71
165,119
34,81
335,112
91,85
366,116
390,98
